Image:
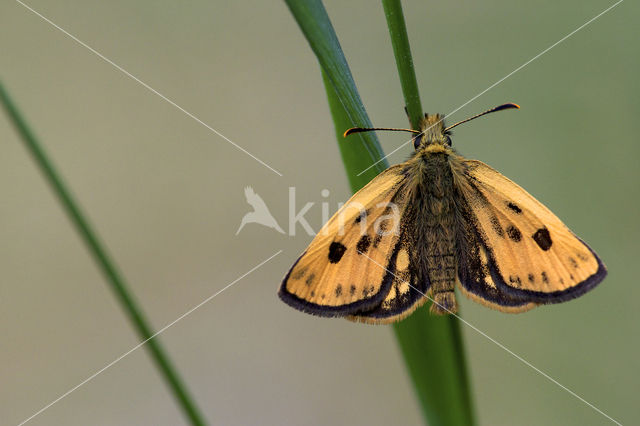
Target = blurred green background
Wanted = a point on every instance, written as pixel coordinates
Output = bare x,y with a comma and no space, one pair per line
166,195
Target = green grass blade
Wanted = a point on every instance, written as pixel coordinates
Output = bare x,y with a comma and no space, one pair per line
362,149
440,376
432,346
404,60
104,262
350,148
434,353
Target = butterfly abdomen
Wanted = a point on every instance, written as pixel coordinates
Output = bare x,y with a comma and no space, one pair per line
434,209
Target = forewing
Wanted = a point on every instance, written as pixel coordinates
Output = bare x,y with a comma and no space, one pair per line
531,254
340,271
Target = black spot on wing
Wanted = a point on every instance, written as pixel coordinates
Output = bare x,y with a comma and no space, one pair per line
368,291
573,262
377,240
362,215
299,274
338,290
514,233
542,238
532,278
363,244
336,251
514,207
495,223
309,279
545,279
352,289
582,256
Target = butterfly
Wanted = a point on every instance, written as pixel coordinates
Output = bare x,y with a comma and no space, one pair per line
435,222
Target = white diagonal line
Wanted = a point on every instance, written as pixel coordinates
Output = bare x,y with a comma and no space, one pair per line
145,85
500,345
506,76
163,329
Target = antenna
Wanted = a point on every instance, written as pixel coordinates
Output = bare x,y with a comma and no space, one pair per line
498,108
416,132
369,129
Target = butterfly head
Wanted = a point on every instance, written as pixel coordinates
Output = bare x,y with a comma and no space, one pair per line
432,133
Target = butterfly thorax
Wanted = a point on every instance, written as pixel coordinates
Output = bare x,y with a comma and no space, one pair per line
432,212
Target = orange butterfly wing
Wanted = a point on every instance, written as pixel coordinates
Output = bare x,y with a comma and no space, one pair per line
344,269
531,255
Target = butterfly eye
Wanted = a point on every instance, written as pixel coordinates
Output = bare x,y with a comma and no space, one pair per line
448,140
416,141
